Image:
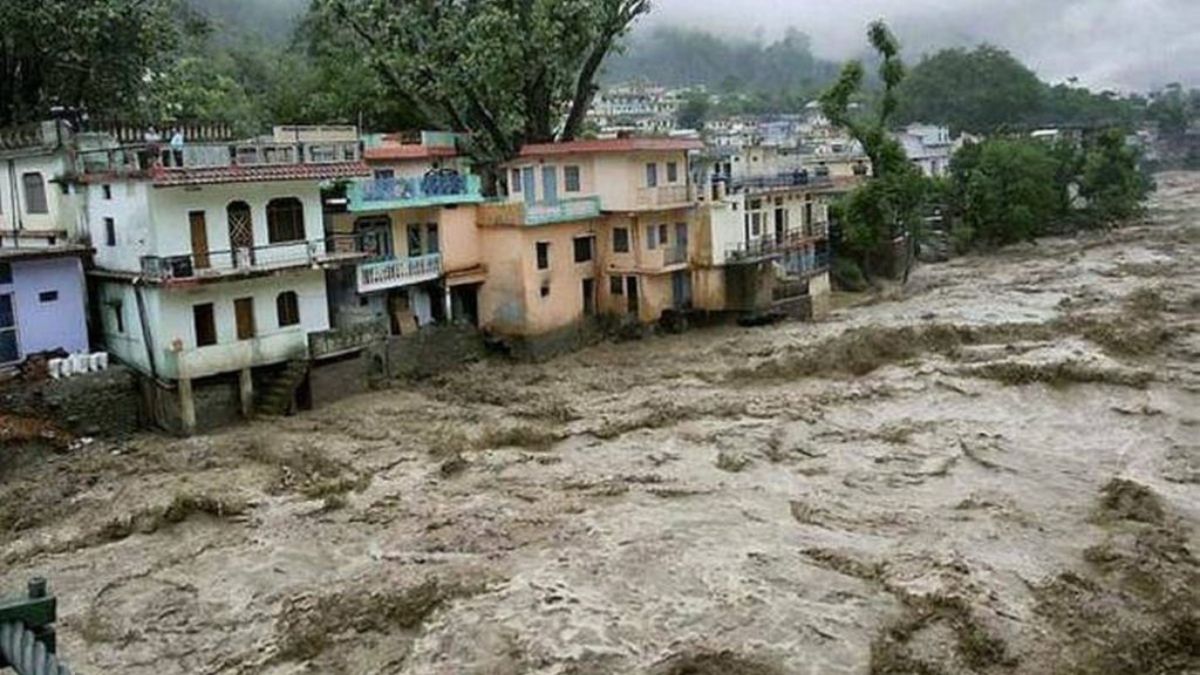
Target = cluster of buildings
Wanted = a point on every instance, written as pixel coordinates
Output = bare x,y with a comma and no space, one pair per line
256,265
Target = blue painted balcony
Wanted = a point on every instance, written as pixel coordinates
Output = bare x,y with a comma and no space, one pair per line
385,194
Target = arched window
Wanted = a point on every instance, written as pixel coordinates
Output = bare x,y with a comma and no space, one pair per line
285,220
287,309
35,193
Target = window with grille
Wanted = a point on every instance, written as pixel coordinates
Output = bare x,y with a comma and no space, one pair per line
287,308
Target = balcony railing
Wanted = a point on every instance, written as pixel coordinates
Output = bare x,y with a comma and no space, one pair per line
666,195
379,275
674,255
249,260
387,193
563,210
347,339
543,213
144,157
261,350
771,245
800,178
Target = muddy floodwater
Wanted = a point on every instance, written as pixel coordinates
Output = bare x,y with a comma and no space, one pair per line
993,470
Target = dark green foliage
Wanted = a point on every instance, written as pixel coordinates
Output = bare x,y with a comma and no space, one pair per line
94,55
986,90
751,76
694,111
1004,191
1110,182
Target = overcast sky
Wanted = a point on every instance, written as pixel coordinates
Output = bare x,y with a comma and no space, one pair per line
1122,44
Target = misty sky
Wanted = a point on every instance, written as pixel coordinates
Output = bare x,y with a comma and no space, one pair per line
1122,44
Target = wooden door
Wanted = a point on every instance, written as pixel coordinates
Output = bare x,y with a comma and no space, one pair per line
241,233
199,239
244,312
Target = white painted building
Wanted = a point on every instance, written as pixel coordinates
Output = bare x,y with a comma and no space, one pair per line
212,261
929,147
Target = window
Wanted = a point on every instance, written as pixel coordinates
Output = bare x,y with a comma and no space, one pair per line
516,181
110,232
543,255
287,309
206,325
431,238
571,178
384,174
651,175
119,315
107,191
48,296
414,240
285,220
545,290
5,273
35,193
243,312
620,240
672,172
616,285
651,237
662,234
583,249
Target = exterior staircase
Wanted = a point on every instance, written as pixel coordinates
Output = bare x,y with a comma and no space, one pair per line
278,397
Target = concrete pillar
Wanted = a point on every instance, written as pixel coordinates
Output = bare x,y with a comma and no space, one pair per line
246,390
187,406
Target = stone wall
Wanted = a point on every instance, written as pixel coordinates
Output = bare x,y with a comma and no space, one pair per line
217,401
104,404
433,349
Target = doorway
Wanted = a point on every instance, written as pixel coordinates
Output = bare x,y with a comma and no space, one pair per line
199,239
631,294
244,313
780,225
10,350
681,289
550,184
589,297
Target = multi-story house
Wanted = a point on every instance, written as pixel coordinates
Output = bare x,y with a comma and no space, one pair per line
414,221
42,288
929,147
764,241
209,261
587,227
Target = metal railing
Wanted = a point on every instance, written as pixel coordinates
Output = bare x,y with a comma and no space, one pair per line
799,178
772,245
394,272
380,192
248,259
27,637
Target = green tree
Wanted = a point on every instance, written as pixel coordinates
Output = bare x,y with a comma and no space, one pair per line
1110,180
93,55
505,73
1171,109
978,91
890,203
693,113
1005,191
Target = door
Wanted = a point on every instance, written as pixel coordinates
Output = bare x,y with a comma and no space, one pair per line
589,297
206,326
681,289
681,237
243,309
527,187
631,294
550,184
241,234
780,225
375,237
9,349
199,239
808,218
